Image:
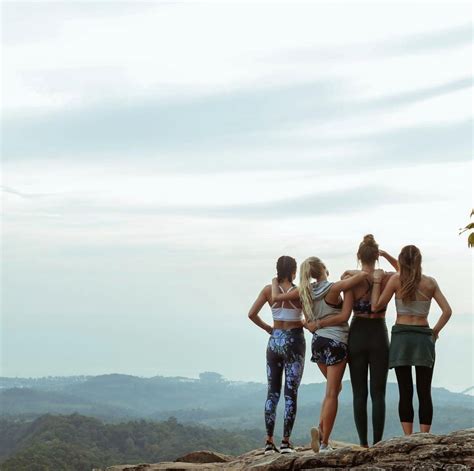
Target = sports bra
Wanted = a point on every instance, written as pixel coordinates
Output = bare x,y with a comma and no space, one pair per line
419,308
363,306
286,313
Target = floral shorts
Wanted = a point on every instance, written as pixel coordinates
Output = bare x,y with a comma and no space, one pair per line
327,351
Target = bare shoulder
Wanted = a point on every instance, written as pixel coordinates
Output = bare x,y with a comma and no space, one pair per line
429,281
267,291
393,276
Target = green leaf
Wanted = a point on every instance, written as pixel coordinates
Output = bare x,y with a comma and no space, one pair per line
470,240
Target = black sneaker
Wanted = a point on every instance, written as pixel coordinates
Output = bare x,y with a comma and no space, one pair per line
270,448
286,447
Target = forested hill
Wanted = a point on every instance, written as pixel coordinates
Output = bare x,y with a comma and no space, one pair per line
79,443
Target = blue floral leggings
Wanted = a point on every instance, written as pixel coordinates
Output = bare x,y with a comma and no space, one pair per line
285,352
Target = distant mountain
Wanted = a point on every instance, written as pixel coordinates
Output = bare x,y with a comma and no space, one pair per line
31,403
210,401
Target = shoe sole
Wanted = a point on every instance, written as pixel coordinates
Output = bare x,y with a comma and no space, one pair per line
325,450
269,452
286,451
315,439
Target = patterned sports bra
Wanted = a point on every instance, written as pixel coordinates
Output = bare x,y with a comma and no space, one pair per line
286,313
364,306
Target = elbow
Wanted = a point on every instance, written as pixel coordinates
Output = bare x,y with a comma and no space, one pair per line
251,315
447,312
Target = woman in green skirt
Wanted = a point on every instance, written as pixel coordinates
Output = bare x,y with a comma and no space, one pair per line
413,341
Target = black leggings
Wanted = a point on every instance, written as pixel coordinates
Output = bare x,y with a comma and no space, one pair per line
424,375
285,352
368,351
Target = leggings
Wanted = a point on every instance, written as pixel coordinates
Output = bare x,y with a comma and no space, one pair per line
285,352
424,375
368,351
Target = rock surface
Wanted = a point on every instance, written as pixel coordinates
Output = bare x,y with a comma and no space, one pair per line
421,451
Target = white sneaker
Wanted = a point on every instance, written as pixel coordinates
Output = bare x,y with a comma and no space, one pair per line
315,439
270,448
325,448
286,447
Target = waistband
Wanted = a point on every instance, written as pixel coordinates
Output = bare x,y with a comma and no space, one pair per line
420,329
368,318
295,330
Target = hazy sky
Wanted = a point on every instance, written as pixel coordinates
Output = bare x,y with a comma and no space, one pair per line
159,157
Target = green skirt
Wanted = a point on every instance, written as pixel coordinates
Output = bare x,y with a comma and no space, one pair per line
411,345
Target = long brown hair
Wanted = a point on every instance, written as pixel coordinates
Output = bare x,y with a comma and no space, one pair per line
368,250
409,261
312,267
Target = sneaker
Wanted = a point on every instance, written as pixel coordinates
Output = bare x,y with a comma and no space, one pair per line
325,448
315,439
286,447
270,448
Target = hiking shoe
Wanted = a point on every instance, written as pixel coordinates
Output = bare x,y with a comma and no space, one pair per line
325,448
270,448
315,439
286,447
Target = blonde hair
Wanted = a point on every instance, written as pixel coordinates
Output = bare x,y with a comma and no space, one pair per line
409,261
368,250
312,267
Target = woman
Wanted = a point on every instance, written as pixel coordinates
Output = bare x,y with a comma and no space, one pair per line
285,351
413,342
326,314
368,345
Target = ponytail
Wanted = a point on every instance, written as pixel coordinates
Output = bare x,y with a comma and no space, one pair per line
410,272
312,267
305,289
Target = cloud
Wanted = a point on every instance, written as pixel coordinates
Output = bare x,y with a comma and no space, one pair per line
420,43
335,202
12,191
244,119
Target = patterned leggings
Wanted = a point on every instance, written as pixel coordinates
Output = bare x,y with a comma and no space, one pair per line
285,352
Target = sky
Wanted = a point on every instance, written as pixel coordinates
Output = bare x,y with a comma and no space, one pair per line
157,159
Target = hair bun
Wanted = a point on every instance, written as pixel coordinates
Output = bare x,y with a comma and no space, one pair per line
369,239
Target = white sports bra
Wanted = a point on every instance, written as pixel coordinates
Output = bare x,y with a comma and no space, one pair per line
286,313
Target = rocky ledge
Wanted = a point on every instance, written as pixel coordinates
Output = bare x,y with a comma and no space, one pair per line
421,451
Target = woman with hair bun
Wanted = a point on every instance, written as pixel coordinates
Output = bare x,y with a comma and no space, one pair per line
413,342
368,344
326,315
285,351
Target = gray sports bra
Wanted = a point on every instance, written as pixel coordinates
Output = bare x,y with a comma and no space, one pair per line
419,308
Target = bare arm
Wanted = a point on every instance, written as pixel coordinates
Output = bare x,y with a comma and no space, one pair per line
256,308
446,310
348,273
337,319
392,260
277,295
377,300
349,281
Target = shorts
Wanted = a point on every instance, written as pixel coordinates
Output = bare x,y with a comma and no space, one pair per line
327,351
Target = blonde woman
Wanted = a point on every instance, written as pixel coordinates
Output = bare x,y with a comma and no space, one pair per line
413,341
326,316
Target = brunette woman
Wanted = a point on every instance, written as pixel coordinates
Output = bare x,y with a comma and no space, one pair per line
285,351
413,341
368,345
